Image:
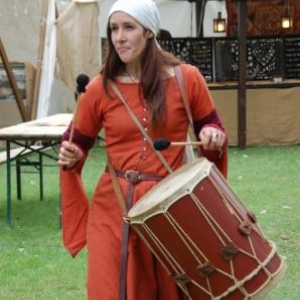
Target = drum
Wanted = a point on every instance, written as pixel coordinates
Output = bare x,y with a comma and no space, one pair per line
204,236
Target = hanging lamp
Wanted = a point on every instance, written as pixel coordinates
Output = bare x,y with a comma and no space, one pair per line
287,20
219,24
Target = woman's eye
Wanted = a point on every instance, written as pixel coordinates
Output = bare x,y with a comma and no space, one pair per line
128,27
124,27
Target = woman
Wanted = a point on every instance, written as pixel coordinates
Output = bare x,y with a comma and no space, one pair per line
144,74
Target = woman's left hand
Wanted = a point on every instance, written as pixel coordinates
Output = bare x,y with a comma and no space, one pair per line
212,138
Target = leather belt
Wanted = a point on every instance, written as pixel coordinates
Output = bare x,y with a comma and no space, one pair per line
135,177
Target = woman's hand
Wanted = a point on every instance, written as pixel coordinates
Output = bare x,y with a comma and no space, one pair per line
69,155
212,138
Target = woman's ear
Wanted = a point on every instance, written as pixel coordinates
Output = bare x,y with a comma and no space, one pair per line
149,34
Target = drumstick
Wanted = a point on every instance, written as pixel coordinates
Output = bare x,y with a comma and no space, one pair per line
82,80
162,144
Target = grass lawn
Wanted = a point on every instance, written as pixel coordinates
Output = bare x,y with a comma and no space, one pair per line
35,266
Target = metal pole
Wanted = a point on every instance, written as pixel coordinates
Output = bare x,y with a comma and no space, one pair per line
242,110
8,179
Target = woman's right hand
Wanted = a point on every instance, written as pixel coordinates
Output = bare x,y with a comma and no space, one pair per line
69,155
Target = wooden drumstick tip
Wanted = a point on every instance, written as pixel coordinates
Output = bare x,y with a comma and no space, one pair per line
82,81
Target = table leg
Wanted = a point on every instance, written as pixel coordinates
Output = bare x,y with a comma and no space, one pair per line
8,181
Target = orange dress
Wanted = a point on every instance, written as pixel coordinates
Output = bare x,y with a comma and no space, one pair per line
99,224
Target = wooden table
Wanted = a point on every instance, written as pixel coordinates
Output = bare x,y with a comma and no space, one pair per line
34,137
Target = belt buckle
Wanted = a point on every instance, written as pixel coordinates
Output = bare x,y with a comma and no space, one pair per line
127,174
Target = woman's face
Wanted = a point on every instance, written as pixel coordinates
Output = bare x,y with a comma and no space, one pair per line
128,37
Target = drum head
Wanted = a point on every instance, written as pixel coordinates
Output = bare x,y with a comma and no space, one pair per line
170,189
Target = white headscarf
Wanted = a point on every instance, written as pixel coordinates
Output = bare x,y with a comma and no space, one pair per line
144,11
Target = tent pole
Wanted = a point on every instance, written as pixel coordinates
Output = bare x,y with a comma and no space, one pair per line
242,111
12,82
200,7
40,57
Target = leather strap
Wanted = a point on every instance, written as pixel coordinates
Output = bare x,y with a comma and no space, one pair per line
124,247
181,85
116,187
124,204
141,128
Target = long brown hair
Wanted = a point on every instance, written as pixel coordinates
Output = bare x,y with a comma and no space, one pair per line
152,78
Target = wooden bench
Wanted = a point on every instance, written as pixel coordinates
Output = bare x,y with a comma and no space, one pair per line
16,152
20,155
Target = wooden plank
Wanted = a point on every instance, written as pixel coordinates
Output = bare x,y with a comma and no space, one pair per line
17,151
47,129
12,81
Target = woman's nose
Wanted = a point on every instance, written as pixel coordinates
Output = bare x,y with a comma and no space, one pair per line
120,35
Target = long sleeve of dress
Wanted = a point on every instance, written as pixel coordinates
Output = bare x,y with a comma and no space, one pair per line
74,200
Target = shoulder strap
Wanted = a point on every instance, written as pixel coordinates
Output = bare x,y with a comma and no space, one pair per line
189,152
181,85
141,128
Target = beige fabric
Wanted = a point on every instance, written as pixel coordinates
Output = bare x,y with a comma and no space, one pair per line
85,1
78,42
272,115
19,26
